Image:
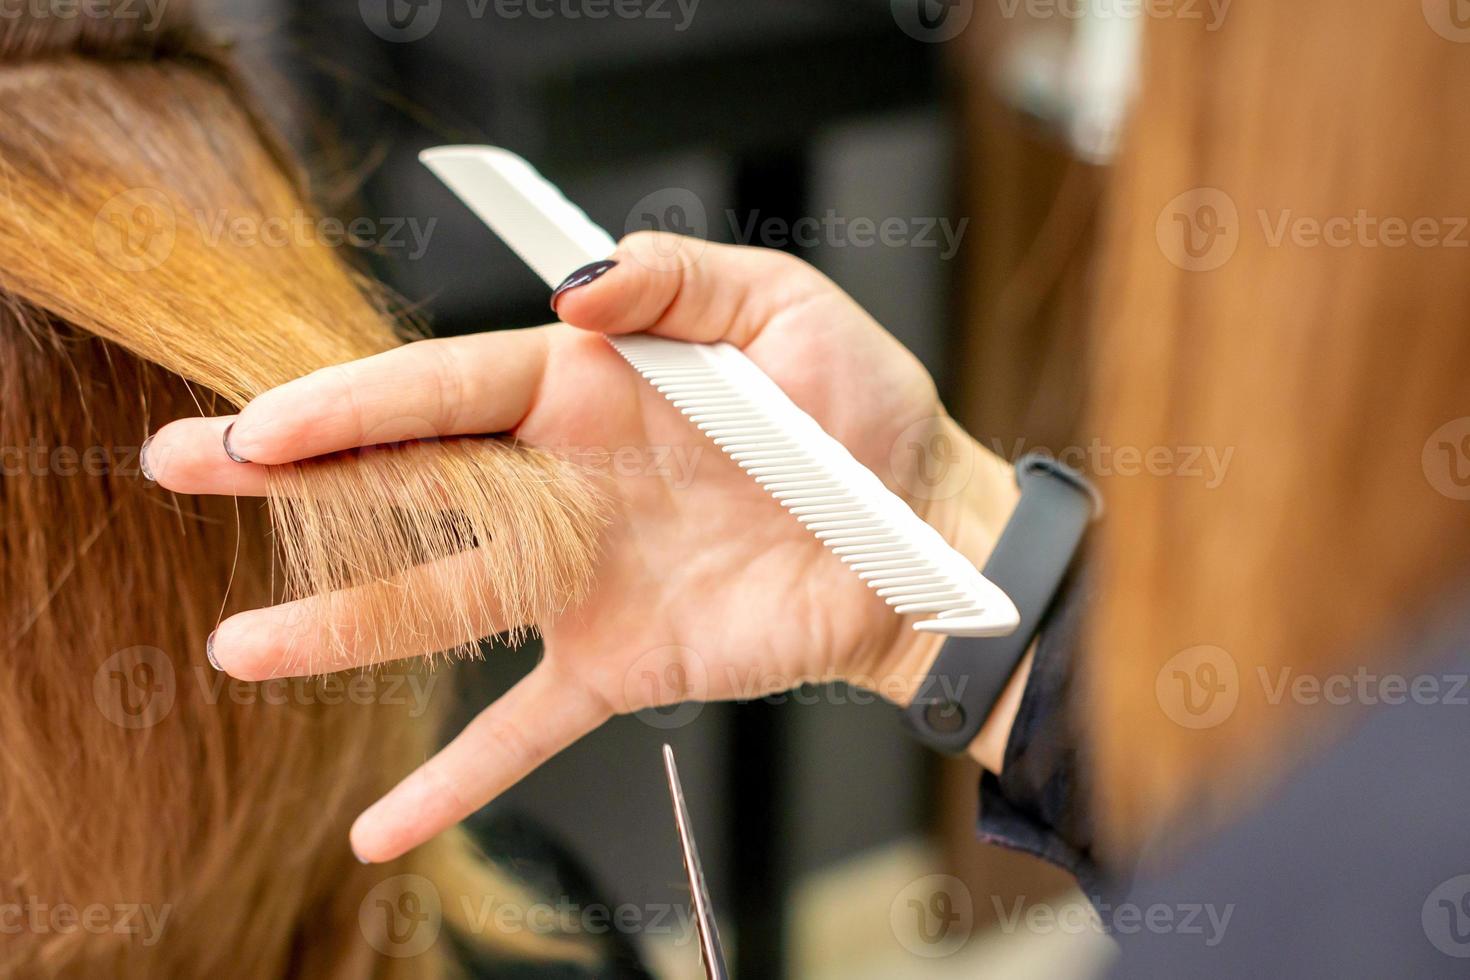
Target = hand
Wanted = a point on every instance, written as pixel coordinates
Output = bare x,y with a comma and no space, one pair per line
705,589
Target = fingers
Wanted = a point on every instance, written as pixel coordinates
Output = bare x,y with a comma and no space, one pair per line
486,383
361,626
188,456
483,383
533,721
690,289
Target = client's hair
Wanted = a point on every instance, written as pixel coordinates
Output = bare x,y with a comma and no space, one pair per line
133,775
1329,366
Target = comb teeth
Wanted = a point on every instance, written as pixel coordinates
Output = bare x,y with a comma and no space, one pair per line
717,387
902,559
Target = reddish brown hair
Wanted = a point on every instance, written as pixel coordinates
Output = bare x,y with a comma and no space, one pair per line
1325,367
133,773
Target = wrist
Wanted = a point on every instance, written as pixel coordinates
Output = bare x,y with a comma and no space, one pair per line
964,696
989,746
972,696
971,519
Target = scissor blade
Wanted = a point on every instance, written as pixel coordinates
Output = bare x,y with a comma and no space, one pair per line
704,916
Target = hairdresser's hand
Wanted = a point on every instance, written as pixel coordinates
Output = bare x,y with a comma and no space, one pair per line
706,589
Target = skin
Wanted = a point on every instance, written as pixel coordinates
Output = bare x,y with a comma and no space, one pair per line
705,590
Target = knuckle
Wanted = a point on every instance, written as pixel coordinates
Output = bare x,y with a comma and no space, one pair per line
778,263
641,242
520,749
342,381
590,691
437,773
448,383
663,251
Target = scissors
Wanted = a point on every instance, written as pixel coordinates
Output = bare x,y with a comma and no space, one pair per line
704,916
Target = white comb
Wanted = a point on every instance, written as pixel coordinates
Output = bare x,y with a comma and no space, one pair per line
812,475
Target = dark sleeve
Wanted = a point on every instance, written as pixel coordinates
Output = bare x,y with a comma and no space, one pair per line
1039,803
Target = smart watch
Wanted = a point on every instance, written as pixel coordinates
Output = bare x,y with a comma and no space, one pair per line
1029,563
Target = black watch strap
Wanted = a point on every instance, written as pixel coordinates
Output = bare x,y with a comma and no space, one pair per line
1028,564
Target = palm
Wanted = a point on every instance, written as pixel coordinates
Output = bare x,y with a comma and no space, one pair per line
706,589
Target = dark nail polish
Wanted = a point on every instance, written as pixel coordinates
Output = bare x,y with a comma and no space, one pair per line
588,273
143,461
209,651
230,452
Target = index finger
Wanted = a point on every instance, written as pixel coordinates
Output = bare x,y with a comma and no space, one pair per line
478,384
533,721
689,289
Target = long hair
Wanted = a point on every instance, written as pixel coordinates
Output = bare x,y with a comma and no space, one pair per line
131,774
1286,288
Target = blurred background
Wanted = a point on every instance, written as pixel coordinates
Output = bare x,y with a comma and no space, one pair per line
942,161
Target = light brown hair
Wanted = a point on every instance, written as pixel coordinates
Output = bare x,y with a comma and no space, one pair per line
132,773
1325,367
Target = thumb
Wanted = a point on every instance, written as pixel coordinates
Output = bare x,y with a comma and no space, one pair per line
541,715
686,289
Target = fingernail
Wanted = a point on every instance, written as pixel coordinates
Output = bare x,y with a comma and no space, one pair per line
209,651
588,273
230,452
143,460
360,858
